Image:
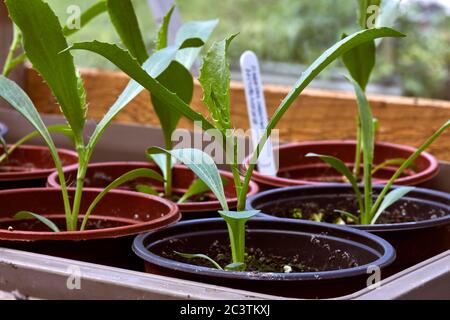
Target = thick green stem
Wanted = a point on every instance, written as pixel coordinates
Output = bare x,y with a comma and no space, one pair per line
81,173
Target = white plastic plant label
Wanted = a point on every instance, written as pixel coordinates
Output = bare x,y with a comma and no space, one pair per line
257,112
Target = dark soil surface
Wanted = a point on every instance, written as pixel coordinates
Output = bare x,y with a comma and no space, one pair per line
257,260
324,210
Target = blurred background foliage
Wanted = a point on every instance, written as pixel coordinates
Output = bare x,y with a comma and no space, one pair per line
295,32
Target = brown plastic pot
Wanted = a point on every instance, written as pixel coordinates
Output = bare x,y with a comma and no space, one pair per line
414,241
29,166
118,217
99,175
295,169
343,253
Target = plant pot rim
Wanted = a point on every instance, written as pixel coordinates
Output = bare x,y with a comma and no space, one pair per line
384,260
212,205
172,216
431,171
36,173
401,226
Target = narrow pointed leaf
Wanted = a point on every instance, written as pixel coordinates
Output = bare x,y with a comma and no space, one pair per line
368,143
43,41
199,256
147,189
391,162
22,215
197,187
408,163
124,19
390,199
202,165
163,31
338,165
237,266
87,16
129,176
127,64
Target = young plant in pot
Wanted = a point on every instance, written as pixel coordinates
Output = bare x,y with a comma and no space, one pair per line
296,169
292,258
55,220
414,220
180,185
23,165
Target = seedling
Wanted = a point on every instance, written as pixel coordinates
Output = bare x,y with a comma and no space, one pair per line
14,57
45,46
176,77
215,80
369,212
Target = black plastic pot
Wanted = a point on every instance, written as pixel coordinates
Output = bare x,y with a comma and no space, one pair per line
318,245
413,241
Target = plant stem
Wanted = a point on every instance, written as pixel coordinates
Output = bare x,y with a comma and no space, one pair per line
169,175
357,164
9,62
81,173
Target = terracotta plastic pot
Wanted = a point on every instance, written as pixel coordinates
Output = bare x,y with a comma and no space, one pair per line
296,169
99,175
414,241
343,253
29,166
119,216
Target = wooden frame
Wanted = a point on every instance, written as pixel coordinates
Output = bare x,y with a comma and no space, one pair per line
316,115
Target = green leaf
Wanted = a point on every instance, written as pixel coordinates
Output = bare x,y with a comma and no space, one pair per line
129,176
406,164
307,76
177,79
22,215
43,41
160,161
202,165
124,19
340,166
348,215
147,189
193,29
154,66
390,199
19,100
198,255
127,64
197,187
236,229
360,62
87,16
5,149
161,41
215,80
368,143
391,162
